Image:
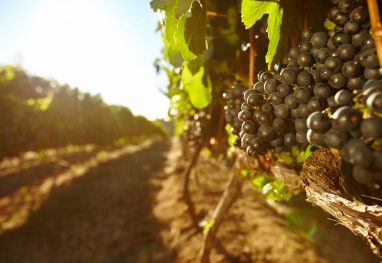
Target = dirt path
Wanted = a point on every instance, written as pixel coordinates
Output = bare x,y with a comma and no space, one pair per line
125,205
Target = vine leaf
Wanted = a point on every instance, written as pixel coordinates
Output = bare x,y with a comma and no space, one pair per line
183,7
253,10
174,40
195,27
198,91
160,4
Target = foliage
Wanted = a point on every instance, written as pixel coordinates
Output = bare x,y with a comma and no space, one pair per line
37,113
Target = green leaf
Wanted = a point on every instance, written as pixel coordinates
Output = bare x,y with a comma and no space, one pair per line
254,10
175,46
199,93
231,136
258,182
329,24
160,4
183,7
195,28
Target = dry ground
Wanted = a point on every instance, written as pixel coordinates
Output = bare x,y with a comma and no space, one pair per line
125,205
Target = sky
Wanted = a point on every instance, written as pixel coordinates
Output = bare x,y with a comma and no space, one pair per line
100,46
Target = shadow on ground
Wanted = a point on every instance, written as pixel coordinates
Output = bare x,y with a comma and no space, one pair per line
104,216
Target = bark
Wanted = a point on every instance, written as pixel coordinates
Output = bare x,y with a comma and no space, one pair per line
326,186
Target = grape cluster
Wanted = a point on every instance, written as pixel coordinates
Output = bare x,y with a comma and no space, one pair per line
233,100
328,94
195,128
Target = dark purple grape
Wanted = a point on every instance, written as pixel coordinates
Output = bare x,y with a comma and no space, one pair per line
370,61
290,139
343,97
362,175
303,111
374,101
244,115
359,14
356,83
315,138
333,12
258,145
318,122
270,86
319,39
267,107
279,141
265,76
372,83
301,138
267,133
371,127
304,78
357,39
275,99
279,125
346,51
284,90
337,81
322,90
351,27
305,46
290,101
282,111
293,53
334,64
249,126
302,94
340,19
368,44
316,75
326,73
347,118
300,125
288,75
321,54
372,73
259,87
340,39
265,118
317,104
335,138
345,6
331,102
306,35
304,59
254,99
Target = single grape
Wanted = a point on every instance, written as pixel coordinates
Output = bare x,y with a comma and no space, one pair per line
282,111
343,97
337,81
249,126
291,101
335,138
319,39
371,127
318,122
315,138
322,90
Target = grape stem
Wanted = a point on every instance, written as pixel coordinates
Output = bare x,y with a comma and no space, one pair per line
252,57
376,27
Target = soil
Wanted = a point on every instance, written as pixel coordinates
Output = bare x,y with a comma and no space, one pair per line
125,205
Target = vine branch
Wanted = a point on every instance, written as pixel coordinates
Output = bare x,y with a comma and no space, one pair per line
376,27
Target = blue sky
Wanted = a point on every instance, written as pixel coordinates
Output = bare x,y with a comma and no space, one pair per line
99,46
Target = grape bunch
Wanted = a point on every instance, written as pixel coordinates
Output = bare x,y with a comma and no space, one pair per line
328,94
196,127
233,101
